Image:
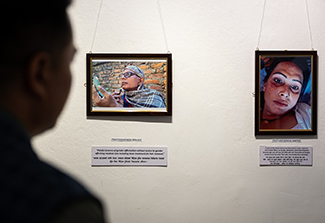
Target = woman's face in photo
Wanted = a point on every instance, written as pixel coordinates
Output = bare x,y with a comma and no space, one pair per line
282,89
130,81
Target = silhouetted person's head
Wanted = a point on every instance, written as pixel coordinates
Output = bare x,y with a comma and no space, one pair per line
36,51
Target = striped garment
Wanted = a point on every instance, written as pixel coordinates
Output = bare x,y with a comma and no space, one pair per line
147,98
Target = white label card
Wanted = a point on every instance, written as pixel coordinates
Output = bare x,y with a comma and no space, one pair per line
128,156
286,155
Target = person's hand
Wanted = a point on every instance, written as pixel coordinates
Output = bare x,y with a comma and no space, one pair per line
107,101
118,98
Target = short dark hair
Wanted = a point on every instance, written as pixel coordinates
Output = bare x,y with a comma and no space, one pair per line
29,27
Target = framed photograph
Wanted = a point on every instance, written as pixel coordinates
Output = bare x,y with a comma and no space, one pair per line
286,93
129,84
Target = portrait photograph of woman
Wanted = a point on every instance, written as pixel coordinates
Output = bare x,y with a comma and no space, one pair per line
285,92
129,84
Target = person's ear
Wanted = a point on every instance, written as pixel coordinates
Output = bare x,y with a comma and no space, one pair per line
141,81
264,87
38,74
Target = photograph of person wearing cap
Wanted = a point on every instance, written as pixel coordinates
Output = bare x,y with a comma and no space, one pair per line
134,95
285,97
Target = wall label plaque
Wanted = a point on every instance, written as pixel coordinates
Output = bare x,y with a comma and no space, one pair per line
129,156
286,156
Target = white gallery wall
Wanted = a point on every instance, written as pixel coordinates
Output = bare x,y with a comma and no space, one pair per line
213,173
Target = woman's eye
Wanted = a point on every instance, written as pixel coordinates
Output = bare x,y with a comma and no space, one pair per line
295,88
277,80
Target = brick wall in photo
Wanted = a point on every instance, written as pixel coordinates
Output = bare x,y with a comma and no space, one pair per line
108,74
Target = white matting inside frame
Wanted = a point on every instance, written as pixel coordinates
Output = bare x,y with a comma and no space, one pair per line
129,156
286,155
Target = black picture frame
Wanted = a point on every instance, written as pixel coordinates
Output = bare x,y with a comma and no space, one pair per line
106,67
278,111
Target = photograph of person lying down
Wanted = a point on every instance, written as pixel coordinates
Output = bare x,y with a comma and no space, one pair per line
285,93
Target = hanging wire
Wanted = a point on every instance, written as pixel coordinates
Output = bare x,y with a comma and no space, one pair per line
309,26
311,39
92,44
162,25
259,36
